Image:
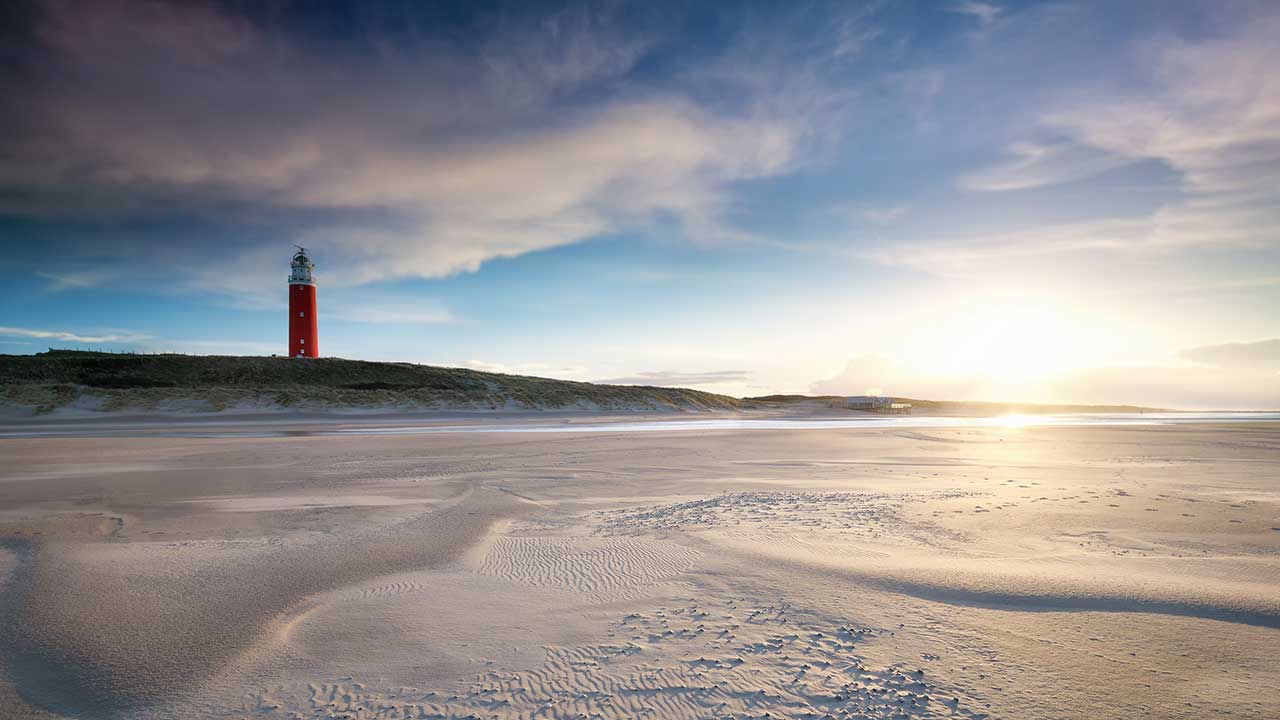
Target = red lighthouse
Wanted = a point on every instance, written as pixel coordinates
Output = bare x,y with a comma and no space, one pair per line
302,308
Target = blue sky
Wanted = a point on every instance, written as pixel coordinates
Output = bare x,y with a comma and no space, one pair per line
1050,201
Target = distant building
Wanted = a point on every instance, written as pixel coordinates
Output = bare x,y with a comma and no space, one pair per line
875,403
865,402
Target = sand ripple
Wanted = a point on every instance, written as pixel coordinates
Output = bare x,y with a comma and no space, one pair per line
600,568
717,660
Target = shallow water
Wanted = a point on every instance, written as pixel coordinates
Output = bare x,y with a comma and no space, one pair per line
900,421
286,427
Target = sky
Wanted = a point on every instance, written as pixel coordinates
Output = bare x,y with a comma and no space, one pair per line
1013,201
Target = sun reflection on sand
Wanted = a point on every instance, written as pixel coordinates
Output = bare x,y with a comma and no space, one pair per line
1015,420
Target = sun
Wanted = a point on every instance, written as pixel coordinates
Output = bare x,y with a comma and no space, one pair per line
1015,342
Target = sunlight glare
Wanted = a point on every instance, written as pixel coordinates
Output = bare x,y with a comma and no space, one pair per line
1015,342
1015,420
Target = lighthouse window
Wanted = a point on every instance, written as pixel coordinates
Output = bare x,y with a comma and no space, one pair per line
301,314
302,341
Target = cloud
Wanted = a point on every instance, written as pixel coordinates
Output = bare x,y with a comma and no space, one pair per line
502,368
58,282
212,347
1183,388
884,215
1262,356
533,369
1210,110
1195,110
671,378
1039,164
986,13
392,313
870,214
390,160
1231,386
65,336
877,375
143,342
960,256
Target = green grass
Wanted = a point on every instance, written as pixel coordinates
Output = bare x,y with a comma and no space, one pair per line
52,379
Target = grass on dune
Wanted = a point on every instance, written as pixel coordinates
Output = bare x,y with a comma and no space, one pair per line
55,378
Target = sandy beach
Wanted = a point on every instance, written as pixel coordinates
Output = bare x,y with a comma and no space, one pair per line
955,572
639,360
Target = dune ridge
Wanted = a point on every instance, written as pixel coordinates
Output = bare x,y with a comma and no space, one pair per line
208,609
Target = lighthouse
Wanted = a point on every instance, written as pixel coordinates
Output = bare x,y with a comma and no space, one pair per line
302,307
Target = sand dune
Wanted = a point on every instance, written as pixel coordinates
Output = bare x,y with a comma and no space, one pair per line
183,610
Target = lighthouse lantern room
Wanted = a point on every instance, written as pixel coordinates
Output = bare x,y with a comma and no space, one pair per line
302,307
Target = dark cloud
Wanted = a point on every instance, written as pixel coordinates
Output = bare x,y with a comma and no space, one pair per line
398,140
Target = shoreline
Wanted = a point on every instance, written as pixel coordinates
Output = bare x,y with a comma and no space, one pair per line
367,424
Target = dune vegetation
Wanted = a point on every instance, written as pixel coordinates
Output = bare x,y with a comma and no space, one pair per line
108,381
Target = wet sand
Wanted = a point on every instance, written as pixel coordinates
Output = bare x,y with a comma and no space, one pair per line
1020,572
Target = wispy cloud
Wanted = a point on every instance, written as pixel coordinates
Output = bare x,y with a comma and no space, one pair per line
75,337
146,343
381,313
963,255
672,378
211,347
1263,355
878,375
58,282
986,13
870,213
883,215
1209,109
1201,110
1168,386
1186,388
535,369
1039,164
